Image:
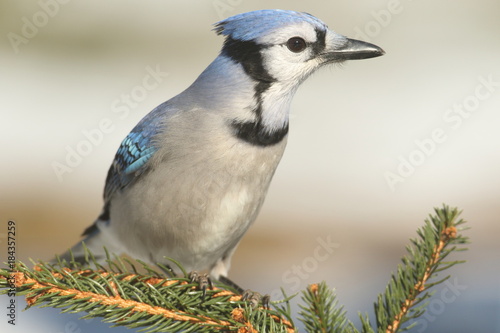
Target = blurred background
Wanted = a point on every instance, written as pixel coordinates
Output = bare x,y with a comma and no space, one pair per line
374,145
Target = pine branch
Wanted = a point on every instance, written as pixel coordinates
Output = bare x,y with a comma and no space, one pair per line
321,312
154,303
407,289
409,286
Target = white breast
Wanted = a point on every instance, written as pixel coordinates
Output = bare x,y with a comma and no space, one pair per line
201,196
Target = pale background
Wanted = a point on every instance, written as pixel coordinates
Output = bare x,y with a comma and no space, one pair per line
350,125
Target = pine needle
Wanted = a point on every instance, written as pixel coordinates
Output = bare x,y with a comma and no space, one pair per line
151,302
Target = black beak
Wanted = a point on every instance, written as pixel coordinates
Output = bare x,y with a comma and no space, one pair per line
354,49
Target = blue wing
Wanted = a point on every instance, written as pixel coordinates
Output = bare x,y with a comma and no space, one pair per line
131,159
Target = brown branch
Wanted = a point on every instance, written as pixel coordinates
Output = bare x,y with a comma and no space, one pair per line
448,233
238,314
116,300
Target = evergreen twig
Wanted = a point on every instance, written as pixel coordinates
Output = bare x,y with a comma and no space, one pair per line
408,288
321,312
153,303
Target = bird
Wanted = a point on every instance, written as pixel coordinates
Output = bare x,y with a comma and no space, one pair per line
190,178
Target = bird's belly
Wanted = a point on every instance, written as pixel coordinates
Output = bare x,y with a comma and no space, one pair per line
194,216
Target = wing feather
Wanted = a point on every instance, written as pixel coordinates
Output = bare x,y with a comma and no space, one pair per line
135,151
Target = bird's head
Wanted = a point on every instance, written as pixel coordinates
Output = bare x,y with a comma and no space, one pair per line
286,46
265,56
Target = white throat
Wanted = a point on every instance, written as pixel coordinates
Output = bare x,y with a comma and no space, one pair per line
275,105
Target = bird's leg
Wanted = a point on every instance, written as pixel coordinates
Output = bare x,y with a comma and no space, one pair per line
254,298
203,281
221,268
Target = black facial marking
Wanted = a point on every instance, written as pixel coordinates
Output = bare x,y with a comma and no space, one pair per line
320,43
247,53
256,134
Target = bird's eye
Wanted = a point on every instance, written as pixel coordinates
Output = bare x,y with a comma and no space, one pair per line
296,44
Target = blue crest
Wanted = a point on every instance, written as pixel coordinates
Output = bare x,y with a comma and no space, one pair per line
250,25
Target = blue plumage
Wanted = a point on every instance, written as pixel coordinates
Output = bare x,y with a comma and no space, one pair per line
252,25
137,148
134,152
189,180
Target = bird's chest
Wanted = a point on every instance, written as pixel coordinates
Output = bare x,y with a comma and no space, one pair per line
226,191
200,202
227,198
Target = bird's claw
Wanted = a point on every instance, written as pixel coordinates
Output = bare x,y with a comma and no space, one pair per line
254,298
203,281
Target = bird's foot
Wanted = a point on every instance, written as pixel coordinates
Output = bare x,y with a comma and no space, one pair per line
203,281
254,298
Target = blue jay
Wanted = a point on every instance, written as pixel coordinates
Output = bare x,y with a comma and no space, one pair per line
191,177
